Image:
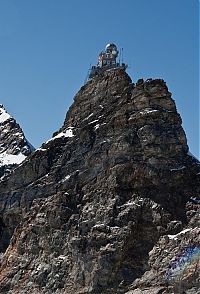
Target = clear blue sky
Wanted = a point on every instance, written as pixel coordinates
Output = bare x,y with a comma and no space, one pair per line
46,47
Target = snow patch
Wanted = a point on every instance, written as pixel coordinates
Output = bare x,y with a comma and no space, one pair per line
41,149
131,203
181,233
96,127
4,116
63,257
146,111
65,178
92,122
88,116
178,168
68,133
6,158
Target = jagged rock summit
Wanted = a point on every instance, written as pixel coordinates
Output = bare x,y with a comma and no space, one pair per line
105,205
14,147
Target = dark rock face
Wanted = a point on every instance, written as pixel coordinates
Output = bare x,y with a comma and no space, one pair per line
90,211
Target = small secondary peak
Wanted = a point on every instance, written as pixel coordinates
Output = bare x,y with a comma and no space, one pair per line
14,147
108,59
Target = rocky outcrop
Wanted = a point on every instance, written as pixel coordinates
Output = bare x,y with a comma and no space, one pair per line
89,210
14,147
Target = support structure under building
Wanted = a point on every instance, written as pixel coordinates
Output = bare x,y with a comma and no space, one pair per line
107,60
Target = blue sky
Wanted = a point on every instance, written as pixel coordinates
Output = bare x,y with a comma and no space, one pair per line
47,46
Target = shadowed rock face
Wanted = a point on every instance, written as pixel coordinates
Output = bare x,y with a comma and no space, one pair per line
88,211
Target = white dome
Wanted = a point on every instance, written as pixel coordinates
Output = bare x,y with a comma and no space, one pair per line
111,46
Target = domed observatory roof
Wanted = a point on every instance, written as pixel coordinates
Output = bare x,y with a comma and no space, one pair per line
111,45
111,48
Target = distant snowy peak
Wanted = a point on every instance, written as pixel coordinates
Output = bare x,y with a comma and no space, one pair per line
4,116
14,147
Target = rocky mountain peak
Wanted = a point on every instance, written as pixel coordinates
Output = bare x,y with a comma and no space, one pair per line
14,147
96,208
145,109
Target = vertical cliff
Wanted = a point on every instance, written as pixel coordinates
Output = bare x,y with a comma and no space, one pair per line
92,210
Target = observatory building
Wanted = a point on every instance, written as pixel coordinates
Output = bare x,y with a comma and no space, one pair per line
107,60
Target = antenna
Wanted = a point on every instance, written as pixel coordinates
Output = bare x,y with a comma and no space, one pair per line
122,55
119,56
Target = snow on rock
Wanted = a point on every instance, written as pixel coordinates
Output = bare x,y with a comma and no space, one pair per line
97,126
178,168
67,133
130,203
7,159
63,257
40,150
181,233
146,111
94,121
4,116
14,146
66,178
88,116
